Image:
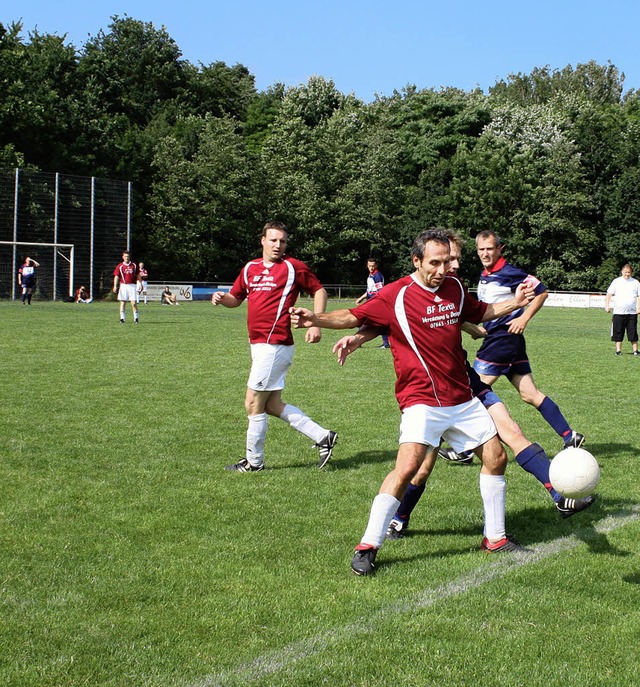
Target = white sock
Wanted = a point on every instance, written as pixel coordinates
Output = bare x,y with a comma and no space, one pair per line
493,489
298,420
383,509
256,435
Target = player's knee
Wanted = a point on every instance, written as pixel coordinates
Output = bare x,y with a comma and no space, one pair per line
494,457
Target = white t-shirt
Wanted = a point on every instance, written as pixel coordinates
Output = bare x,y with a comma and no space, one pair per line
625,294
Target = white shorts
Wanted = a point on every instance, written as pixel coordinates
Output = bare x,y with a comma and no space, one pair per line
464,427
142,286
127,292
269,366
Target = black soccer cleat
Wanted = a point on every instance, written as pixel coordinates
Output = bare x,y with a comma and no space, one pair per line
575,440
568,507
325,448
397,529
508,544
465,458
244,466
364,560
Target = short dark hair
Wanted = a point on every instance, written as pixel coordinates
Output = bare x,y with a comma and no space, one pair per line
280,226
435,235
488,234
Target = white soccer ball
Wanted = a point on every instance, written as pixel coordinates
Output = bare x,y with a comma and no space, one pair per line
574,473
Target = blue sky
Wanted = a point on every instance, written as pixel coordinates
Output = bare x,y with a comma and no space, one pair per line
369,47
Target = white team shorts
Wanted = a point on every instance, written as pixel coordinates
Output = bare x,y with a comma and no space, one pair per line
127,292
142,286
464,427
269,366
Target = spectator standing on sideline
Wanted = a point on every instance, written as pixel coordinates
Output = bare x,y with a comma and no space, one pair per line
625,292
125,279
503,350
27,279
423,313
271,284
375,281
143,276
82,295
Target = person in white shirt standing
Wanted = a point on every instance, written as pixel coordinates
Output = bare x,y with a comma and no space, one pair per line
625,292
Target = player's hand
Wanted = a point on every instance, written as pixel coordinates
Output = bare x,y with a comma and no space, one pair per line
301,318
517,326
345,346
313,335
525,292
217,297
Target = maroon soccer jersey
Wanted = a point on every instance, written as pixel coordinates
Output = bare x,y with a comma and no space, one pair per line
424,327
128,273
271,291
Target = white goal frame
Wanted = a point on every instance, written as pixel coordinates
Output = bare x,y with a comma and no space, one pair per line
57,253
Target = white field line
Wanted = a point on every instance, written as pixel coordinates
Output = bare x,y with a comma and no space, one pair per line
284,658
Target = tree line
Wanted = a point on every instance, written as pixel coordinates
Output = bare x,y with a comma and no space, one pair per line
550,159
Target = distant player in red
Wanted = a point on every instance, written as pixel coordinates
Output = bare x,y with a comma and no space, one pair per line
423,314
271,284
125,280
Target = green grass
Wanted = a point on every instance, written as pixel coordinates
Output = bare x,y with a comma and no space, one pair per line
128,556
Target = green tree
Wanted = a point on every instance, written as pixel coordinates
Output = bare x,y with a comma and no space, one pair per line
203,215
524,180
38,108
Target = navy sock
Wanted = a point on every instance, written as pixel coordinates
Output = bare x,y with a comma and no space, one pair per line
551,413
533,459
409,502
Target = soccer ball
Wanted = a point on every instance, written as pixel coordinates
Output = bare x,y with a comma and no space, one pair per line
574,473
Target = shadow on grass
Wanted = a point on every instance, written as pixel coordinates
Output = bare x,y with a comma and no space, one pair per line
537,525
605,452
340,462
530,526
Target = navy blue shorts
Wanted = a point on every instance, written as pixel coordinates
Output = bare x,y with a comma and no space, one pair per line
502,354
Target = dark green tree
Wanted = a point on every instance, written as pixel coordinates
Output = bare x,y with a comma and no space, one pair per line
203,214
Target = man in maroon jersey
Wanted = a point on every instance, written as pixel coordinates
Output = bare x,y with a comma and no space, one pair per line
423,315
125,279
271,284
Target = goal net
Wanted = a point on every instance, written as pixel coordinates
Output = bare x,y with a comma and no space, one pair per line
54,277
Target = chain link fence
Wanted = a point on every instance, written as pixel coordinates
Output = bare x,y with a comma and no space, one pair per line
75,227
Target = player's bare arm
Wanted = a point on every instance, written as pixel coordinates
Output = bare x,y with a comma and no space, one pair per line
314,334
518,324
226,299
523,296
352,342
475,331
303,318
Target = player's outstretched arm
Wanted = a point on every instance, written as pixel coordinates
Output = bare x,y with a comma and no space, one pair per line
302,318
475,331
226,299
524,295
314,334
352,342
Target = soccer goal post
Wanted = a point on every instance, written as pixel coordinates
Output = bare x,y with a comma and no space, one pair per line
54,277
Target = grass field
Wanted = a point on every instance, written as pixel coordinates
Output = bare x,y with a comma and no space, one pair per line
128,557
